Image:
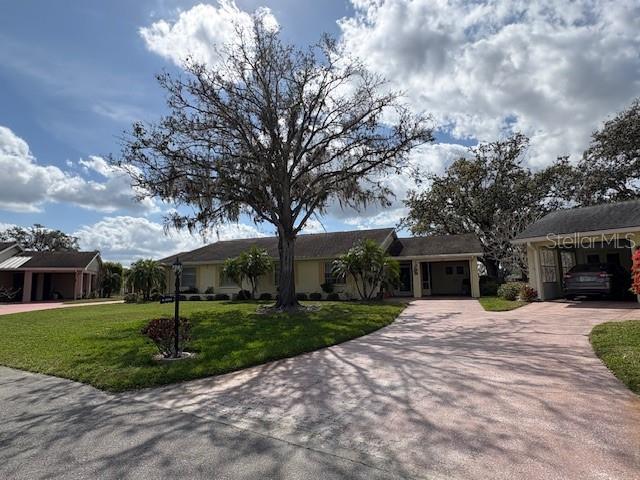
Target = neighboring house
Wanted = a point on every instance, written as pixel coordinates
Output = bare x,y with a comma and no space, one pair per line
437,265
48,275
599,234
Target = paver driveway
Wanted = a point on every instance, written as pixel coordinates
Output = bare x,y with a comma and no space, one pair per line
447,391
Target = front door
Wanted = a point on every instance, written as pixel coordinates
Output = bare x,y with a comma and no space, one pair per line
405,288
426,278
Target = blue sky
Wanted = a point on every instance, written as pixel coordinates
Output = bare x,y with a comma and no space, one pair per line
74,75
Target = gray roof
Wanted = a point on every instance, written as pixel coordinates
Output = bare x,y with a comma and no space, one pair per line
438,245
316,245
57,259
5,245
609,216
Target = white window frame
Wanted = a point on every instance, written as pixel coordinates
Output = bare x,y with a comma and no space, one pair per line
192,271
549,265
330,278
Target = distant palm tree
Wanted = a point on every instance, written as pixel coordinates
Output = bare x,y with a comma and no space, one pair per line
145,276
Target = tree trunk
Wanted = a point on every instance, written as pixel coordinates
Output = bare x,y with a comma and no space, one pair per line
286,282
491,265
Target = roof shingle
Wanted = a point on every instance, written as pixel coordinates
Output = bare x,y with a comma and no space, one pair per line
608,216
315,245
439,245
57,259
5,245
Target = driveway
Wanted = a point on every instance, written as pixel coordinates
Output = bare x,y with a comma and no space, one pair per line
447,391
8,308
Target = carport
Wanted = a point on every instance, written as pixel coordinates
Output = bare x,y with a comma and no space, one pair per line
599,234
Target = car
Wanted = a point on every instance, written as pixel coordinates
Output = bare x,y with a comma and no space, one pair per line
597,279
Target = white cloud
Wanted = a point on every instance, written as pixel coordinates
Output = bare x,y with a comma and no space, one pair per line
197,31
430,158
313,225
26,185
552,69
126,239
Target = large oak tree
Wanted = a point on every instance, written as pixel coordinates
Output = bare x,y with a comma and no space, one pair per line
609,170
493,194
274,132
40,238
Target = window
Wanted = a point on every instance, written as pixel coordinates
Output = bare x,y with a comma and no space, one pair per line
568,260
613,258
593,258
329,277
225,281
460,270
188,279
448,270
549,265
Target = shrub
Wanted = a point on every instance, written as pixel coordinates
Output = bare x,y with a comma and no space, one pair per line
209,290
265,296
210,297
242,295
188,290
182,298
333,297
528,294
488,286
195,298
221,296
131,298
635,273
327,287
301,296
161,331
509,290
315,296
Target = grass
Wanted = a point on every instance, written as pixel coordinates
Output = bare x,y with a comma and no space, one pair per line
618,346
497,304
101,345
93,300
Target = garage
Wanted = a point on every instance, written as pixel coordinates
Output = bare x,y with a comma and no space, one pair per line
597,238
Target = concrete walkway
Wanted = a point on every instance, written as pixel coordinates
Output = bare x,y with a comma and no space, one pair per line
8,308
447,391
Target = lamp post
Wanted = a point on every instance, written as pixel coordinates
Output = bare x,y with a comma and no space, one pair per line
177,269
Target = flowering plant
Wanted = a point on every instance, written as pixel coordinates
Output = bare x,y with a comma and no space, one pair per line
635,273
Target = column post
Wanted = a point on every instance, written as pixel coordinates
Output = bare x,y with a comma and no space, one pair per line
26,286
417,278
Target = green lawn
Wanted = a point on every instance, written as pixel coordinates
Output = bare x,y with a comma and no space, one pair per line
618,345
497,304
94,300
102,345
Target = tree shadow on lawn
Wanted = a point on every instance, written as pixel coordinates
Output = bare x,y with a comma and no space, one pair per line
441,394
223,342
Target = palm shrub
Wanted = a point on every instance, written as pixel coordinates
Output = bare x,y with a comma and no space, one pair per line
111,274
250,265
369,266
145,276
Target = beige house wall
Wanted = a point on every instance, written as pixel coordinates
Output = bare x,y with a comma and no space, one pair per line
310,275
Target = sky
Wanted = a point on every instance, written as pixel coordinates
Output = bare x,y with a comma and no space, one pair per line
75,75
